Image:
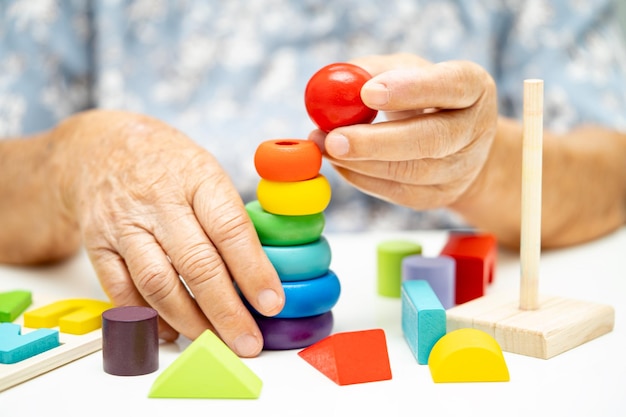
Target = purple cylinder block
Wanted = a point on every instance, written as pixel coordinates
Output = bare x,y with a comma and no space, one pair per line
130,341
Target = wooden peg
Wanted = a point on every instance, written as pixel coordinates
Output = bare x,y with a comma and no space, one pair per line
535,326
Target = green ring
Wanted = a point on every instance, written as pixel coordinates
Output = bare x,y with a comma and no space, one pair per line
280,230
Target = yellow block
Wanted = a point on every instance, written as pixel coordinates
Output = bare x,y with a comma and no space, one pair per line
467,355
74,316
295,198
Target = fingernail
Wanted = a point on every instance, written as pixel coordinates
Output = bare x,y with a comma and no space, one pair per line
268,300
247,345
336,144
376,94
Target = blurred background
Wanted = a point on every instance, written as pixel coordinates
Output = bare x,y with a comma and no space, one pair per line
622,15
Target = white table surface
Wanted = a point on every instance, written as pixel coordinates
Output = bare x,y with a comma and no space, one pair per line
589,380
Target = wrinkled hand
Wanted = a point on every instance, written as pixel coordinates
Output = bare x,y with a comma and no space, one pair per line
441,124
153,206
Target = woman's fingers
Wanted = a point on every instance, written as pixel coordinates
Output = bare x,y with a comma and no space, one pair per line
118,284
447,85
213,258
441,124
432,135
222,215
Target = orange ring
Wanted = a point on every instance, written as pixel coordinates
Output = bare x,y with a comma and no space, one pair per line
288,160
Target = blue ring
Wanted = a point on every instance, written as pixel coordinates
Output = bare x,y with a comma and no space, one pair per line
310,297
300,262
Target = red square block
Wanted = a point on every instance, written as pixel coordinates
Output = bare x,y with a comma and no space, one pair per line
475,256
351,357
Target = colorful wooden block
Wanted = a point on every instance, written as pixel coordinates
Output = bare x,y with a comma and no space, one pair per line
130,341
300,262
207,368
71,347
296,333
467,355
390,254
351,357
14,303
15,346
74,316
423,318
299,198
278,230
439,271
475,256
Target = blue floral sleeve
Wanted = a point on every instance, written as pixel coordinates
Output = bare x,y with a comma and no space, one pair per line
45,64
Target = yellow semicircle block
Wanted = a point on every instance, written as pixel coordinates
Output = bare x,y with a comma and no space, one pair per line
467,355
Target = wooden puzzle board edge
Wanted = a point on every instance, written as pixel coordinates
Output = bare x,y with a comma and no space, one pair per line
71,348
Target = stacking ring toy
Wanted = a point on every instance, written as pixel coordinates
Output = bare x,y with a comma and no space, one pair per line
278,230
300,262
310,297
284,334
298,198
288,160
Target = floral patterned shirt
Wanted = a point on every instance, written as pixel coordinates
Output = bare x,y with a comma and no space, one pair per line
231,74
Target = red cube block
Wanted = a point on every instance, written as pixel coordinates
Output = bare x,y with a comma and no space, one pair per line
475,255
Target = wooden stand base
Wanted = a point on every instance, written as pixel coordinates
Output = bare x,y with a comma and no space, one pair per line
559,324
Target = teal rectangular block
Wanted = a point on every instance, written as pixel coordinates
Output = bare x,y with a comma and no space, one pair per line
15,346
423,318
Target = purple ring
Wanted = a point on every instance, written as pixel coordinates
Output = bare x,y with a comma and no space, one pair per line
296,333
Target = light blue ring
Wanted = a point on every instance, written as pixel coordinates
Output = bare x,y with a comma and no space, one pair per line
300,262
310,297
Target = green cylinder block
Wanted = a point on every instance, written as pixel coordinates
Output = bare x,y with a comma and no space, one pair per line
390,255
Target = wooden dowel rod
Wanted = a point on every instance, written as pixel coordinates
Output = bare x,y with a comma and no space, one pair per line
530,246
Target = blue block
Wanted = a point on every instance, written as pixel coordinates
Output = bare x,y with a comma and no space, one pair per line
15,347
423,318
439,271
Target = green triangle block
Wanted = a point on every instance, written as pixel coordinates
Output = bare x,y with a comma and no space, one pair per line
207,369
13,303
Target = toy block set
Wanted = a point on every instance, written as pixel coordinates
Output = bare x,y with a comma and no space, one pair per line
479,326
289,219
466,261
41,339
448,321
460,273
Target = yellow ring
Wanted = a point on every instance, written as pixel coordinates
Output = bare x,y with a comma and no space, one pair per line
294,198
